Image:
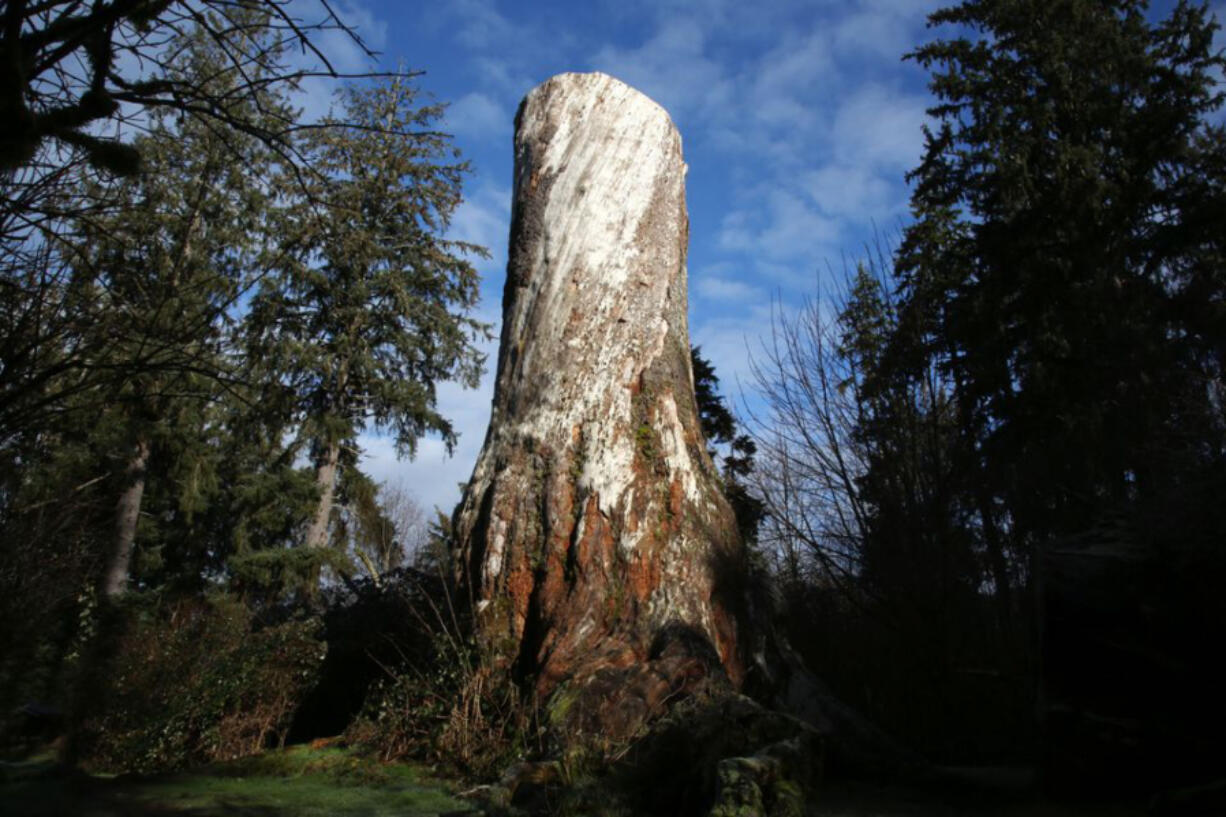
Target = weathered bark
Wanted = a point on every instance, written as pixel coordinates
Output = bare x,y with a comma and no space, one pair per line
127,516
601,556
325,481
594,536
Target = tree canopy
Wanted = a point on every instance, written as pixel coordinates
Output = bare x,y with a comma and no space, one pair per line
1064,267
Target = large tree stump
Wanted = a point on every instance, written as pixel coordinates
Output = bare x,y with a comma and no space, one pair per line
594,536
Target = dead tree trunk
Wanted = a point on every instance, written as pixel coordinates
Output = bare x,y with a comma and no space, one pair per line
602,558
594,536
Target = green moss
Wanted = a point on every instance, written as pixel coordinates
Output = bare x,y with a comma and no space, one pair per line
645,438
298,781
560,705
789,799
297,796
645,434
617,594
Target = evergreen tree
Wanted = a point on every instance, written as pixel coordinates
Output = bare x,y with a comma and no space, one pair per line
166,270
720,427
1062,270
81,82
915,552
119,399
1064,276
372,308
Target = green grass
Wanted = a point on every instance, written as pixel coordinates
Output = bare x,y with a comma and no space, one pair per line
297,781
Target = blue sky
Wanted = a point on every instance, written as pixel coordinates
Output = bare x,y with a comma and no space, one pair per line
799,121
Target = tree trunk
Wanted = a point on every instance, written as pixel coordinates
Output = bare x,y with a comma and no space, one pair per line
997,562
601,556
127,516
594,536
325,480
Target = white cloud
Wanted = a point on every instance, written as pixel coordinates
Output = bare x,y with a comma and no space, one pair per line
729,342
816,145
480,25
315,96
788,276
797,65
478,117
880,127
719,288
502,76
880,29
671,67
853,192
773,110
789,227
862,146
499,50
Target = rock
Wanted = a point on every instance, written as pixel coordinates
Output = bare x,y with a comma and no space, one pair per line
756,786
723,755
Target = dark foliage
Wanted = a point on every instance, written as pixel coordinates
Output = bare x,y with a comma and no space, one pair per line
69,66
1063,272
194,681
1044,382
720,427
437,700
372,631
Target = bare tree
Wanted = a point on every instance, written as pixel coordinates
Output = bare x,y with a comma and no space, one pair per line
383,525
408,517
404,533
70,66
808,459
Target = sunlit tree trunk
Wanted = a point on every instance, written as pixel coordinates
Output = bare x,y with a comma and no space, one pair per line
325,480
127,517
594,535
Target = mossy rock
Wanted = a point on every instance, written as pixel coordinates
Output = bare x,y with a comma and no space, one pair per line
725,756
757,786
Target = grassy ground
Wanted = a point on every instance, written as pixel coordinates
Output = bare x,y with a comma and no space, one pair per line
332,782
297,782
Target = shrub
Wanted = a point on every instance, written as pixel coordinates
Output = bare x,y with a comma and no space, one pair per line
197,681
438,700
371,629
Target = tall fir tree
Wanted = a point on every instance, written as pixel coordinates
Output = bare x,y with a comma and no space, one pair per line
917,554
1062,269
162,273
1064,275
373,308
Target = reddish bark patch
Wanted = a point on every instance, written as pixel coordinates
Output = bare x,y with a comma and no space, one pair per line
519,590
644,576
